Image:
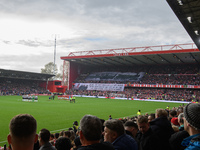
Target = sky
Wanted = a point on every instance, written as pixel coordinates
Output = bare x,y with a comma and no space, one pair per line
28,28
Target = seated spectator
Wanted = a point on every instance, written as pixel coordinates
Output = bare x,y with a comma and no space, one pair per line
63,143
162,127
22,132
147,139
90,134
44,137
192,126
114,133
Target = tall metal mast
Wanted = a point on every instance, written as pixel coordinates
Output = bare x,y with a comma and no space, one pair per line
54,57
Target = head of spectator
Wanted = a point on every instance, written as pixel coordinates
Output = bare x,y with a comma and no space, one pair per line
132,127
143,124
161,113
56,135
51,137
180,119
63,143
67,134
179,110
22,134
90,130
44,136
114,133
174,119
113,129
151,117
73,135
192,118
61,133
172,113
77,143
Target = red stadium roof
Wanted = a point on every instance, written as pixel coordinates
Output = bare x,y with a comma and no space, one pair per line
165,54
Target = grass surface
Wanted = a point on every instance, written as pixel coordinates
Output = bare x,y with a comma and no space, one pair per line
56,115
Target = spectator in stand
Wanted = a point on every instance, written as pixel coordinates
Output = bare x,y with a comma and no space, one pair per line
151,117
176,138
90,134
174,119
114,133
63,143
162,127
181,121
192,126
44,137
147,139
22,134
132,128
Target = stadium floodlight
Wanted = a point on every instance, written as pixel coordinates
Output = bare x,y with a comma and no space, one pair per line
190,19
196,32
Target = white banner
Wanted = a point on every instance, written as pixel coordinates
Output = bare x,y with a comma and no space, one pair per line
99,86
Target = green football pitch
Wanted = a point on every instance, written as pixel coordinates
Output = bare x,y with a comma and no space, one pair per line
57,115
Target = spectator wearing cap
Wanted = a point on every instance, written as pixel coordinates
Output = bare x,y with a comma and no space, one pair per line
192,126
174,119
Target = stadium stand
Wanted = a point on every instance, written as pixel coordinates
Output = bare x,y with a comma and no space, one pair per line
177,75
22,83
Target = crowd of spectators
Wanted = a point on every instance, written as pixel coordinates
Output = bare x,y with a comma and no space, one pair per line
21,87
160,74
144,93
177,128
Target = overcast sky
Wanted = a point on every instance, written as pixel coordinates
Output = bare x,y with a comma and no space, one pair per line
28,28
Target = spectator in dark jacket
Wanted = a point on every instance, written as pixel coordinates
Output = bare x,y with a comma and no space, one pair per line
147,139
114,133
162,127
192,126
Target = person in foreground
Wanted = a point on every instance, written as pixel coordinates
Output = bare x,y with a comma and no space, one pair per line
22,134
44,137
192,126
147,139
114,133
90,134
